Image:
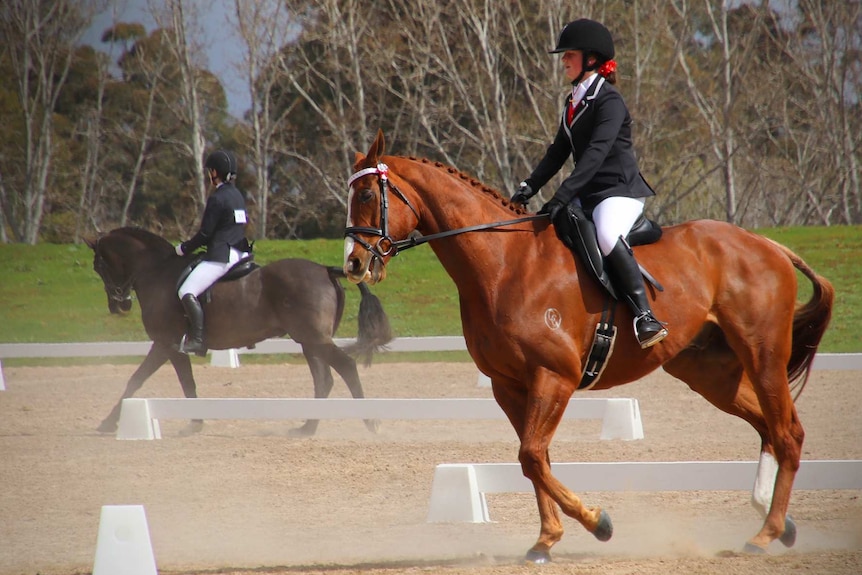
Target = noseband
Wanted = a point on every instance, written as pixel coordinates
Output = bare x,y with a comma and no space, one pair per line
390,246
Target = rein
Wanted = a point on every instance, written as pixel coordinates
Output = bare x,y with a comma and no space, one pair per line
394,246
413,241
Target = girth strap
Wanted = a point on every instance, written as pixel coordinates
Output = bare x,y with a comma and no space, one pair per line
602,348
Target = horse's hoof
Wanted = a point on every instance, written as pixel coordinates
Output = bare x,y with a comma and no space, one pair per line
538,557
605,528
195,426
752,549
306,430
373,425
788,538
107,427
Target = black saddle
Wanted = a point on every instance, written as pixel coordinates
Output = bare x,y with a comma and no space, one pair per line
580,237
240,269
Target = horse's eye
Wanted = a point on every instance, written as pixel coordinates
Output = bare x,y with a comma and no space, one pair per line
366,195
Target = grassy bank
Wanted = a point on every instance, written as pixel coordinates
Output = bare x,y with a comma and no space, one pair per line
50,293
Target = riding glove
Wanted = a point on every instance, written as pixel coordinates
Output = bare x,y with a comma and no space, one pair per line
553,208
523,194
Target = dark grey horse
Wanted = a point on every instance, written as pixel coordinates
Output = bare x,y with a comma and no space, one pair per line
294,297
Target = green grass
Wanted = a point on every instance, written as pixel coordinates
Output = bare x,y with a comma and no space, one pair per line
50,293
835,253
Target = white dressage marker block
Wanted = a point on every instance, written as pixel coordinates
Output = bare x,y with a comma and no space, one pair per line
617,476
139,417
123,546
455,491
2,382
621,419
136,421
224,358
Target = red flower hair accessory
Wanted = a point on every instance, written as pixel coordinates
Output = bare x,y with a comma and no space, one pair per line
608,68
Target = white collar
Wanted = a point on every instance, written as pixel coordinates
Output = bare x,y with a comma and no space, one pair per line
580,90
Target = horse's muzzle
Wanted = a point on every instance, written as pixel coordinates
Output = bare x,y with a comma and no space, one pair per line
367,268
119,305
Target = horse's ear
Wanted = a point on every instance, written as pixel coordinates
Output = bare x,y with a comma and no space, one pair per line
92,243
357,160
377,148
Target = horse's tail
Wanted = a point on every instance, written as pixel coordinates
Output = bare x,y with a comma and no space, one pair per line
374,329
335,275
809,324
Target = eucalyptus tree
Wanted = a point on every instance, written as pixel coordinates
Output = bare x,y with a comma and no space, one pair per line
38,38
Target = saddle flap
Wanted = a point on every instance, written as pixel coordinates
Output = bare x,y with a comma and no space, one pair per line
580,237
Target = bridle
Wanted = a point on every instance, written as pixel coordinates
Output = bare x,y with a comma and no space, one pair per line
386,246
116,292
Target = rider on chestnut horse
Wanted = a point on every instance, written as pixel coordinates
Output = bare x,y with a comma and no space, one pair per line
595,128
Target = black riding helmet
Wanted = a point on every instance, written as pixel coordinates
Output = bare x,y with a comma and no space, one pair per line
224,163
588,36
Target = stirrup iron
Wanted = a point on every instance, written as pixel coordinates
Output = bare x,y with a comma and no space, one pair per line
656,337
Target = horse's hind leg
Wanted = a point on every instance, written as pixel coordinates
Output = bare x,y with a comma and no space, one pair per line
716,373
321,374
786,436
155,358
346,368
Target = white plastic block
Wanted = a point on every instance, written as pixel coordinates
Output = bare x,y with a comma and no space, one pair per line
455,496
224,358
622,420
123,546
136,421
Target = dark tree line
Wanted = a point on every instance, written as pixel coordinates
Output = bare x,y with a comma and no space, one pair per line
749,114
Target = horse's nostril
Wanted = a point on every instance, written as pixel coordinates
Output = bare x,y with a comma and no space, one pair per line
353,265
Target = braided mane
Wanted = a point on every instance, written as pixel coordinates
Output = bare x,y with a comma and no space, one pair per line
473,182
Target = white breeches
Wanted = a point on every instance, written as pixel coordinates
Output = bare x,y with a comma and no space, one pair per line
206,273
614,217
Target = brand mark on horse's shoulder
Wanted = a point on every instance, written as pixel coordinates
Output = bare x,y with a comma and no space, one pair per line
553,319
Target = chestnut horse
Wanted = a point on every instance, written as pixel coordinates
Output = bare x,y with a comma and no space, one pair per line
297,297
736,335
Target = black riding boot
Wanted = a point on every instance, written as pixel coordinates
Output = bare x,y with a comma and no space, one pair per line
193,342
627,279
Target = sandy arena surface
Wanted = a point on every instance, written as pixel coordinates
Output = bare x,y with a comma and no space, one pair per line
242,497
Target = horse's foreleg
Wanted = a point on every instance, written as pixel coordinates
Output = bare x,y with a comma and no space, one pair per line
546,403
156,357
535,420
346,368
183,367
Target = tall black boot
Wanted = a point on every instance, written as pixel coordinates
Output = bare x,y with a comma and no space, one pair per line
627,279
193,341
